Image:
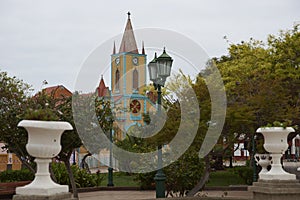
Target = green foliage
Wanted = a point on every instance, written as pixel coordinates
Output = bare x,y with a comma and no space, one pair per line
13,102
41,114
146,180
16,175
246,173
81,176
183,174
262,82
283,124
121,179
224,178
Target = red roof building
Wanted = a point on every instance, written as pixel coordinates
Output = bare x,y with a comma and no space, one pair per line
57,92
102,90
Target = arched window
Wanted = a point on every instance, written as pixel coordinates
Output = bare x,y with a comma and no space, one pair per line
135,79
117,80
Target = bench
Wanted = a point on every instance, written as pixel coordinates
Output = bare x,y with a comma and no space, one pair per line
7,190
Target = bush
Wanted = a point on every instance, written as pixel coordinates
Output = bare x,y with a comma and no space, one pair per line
181,176
81,176
224,178
16,175
246,173
146,180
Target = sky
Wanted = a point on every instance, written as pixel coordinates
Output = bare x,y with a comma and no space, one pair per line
51,39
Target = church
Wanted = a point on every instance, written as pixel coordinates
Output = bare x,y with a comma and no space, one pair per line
128,80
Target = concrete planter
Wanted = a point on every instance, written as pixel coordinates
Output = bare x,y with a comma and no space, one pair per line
276,144
43,144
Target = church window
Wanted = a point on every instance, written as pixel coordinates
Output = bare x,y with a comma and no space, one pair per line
117,80
135,79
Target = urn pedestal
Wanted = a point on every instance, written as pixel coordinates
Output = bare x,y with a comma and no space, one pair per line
43,144
275,190
276,184
264,161
276,144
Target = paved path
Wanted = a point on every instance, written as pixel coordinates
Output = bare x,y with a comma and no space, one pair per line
117,195
134,195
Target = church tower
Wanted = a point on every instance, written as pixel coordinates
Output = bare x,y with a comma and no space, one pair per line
128,78
128,66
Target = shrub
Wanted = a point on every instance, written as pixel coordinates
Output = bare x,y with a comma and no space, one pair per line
81,176
246,173
224,178
146,180
16,175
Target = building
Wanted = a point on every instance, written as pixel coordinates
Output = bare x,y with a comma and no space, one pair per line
128,79
8,161
57,92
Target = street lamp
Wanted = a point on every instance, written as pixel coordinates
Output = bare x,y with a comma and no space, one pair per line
253,160
110,119
159,70
110,169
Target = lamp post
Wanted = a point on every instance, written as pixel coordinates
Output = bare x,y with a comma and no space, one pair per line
159,70
253,160
110,119
110,169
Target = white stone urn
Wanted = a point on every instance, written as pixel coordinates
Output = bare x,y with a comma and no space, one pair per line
43,144
276,144
264,161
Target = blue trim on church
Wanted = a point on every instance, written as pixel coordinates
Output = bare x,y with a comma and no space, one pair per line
135,117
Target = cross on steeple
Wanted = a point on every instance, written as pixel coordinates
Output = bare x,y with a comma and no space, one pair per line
128,14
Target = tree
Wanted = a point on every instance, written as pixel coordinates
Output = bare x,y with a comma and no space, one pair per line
14,95
262,83
262,80
262,86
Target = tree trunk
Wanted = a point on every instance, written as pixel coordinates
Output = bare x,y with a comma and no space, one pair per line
200,185
25,163
52,175
84,164
230,162
71,176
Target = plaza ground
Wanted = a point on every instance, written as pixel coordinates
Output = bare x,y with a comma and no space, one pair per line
135,195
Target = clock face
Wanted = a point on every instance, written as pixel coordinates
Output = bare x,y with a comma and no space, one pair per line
135,106
117,60
135,60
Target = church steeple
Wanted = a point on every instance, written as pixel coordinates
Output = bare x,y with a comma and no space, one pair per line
143,48
114,48
128,43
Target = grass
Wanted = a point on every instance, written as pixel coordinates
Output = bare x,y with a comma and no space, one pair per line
120,179
217,178
224,178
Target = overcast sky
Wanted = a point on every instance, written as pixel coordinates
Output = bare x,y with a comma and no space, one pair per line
49,40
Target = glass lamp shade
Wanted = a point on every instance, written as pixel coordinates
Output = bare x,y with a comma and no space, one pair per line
152,67
164,68
164,64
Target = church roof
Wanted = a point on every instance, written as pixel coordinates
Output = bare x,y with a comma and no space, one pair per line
128,43
102,89
57,92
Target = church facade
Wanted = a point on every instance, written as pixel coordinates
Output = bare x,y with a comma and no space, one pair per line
128,81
